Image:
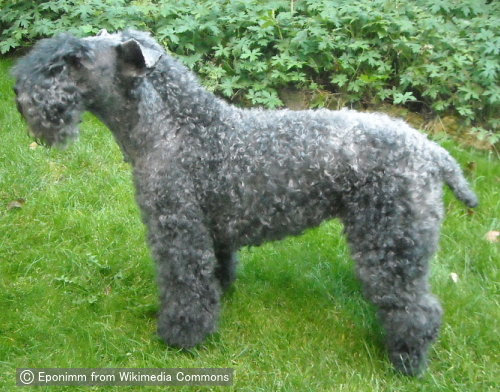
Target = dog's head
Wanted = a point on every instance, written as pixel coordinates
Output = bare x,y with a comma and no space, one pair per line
63,76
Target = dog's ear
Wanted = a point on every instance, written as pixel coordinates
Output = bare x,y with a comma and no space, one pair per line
103,33
135,60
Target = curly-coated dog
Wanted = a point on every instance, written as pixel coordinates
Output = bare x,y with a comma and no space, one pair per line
211,178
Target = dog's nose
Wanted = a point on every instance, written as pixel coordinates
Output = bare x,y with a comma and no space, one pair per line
16,90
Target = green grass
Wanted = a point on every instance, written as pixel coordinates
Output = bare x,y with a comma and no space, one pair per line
77,286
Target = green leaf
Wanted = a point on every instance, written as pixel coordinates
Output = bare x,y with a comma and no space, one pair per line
492,47
221,51
228,85
269,99
384,94
440,106
493,94
87,29
252,55
466,111
339,80
8,44
433,70
489,70
401,99
471,91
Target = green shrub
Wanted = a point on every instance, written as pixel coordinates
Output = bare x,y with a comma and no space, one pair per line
437,55
23,22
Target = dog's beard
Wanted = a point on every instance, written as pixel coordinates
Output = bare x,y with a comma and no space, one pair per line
54,125
60,138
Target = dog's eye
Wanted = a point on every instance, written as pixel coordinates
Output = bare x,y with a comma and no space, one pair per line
56,69
74,61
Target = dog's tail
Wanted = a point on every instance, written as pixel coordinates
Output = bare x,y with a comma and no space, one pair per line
453,177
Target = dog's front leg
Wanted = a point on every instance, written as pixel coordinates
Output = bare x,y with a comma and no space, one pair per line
181,245
189,290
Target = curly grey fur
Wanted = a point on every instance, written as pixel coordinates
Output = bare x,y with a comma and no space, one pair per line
211,178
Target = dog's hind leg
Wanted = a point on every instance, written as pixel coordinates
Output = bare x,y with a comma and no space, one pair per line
392,237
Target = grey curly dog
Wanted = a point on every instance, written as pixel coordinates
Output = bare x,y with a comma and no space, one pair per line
211,178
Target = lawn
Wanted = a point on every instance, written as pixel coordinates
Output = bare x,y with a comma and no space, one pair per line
77,286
